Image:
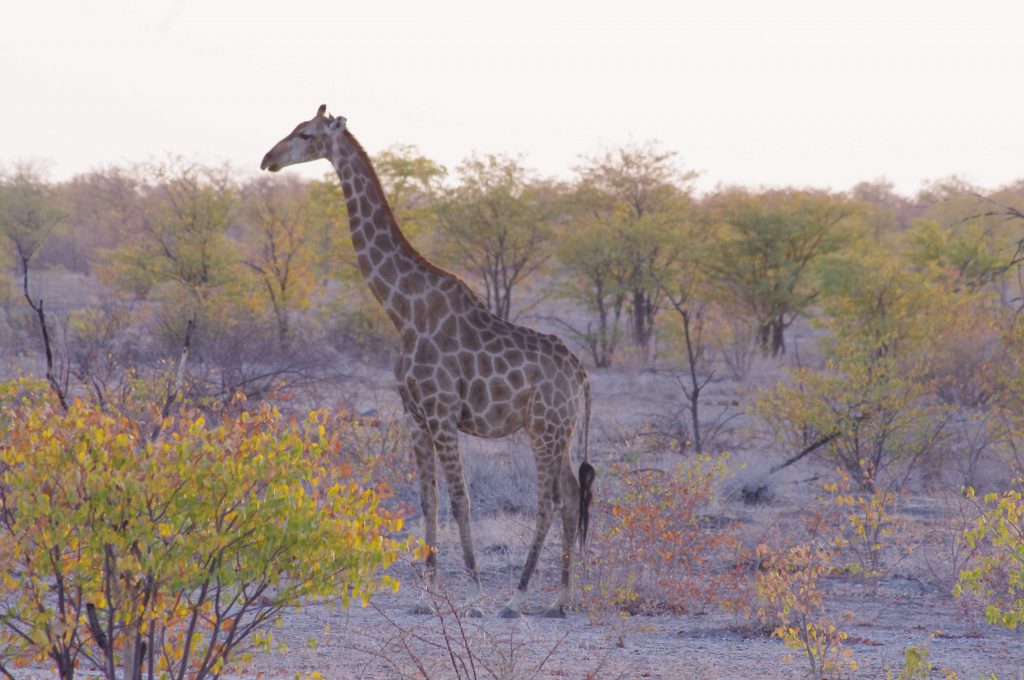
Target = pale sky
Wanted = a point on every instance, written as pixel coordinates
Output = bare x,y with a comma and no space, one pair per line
817,93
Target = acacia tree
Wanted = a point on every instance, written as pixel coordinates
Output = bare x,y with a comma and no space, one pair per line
276,245
685,287
183,214
642,195
771,242
180,259
598,281
412,186
29,212
100,206
497,223
176,254
882,211
966,236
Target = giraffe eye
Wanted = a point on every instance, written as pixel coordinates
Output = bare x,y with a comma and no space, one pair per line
305,135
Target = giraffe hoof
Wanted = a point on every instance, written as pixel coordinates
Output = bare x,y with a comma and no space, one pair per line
507,613
475,612
555,612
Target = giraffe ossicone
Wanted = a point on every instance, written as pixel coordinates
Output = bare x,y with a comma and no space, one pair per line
461,367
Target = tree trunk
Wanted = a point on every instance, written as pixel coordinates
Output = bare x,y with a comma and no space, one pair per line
771,337
778,341
65,665
643,320
695,384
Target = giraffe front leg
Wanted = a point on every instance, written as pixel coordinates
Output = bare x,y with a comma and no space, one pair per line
423,446
447,444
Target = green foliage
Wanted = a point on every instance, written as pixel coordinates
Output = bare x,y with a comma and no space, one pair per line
496,223
763,266
411,184
29,211
963,236
277,249
599,274
931,328
187,547
971,253
871,405
641,199
998,572
333,255
186,211
870,414
872,300
916,665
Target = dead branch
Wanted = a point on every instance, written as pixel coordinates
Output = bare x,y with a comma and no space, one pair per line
59,386
806,450
174,391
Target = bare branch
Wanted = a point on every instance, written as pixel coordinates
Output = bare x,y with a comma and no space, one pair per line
61,390
174,392
805,451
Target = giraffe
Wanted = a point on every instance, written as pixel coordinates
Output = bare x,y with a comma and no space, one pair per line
461,368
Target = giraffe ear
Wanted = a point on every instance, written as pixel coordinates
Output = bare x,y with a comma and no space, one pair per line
338,122
321,111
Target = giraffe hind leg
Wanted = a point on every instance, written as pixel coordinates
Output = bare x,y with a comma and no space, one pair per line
547,498
570,495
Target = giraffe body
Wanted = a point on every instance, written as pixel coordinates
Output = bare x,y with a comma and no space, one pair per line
461,368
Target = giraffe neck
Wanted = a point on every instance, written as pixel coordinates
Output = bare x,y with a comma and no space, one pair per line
384,255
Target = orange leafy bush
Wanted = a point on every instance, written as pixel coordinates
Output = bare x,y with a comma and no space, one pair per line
660,551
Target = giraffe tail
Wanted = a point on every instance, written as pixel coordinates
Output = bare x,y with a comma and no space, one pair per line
586,473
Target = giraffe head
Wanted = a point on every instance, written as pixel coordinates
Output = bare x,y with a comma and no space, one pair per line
309,141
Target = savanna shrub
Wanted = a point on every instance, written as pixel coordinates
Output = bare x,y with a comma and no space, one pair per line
793,607
659,551
140,557
997,569
872,413
858,523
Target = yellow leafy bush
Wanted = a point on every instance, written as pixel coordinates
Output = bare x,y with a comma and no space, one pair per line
859,523
135,556
997,574
792,605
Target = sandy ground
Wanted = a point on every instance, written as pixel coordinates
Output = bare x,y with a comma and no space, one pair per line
386,641
882,618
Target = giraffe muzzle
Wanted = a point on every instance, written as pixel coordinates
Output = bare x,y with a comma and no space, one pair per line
267,164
